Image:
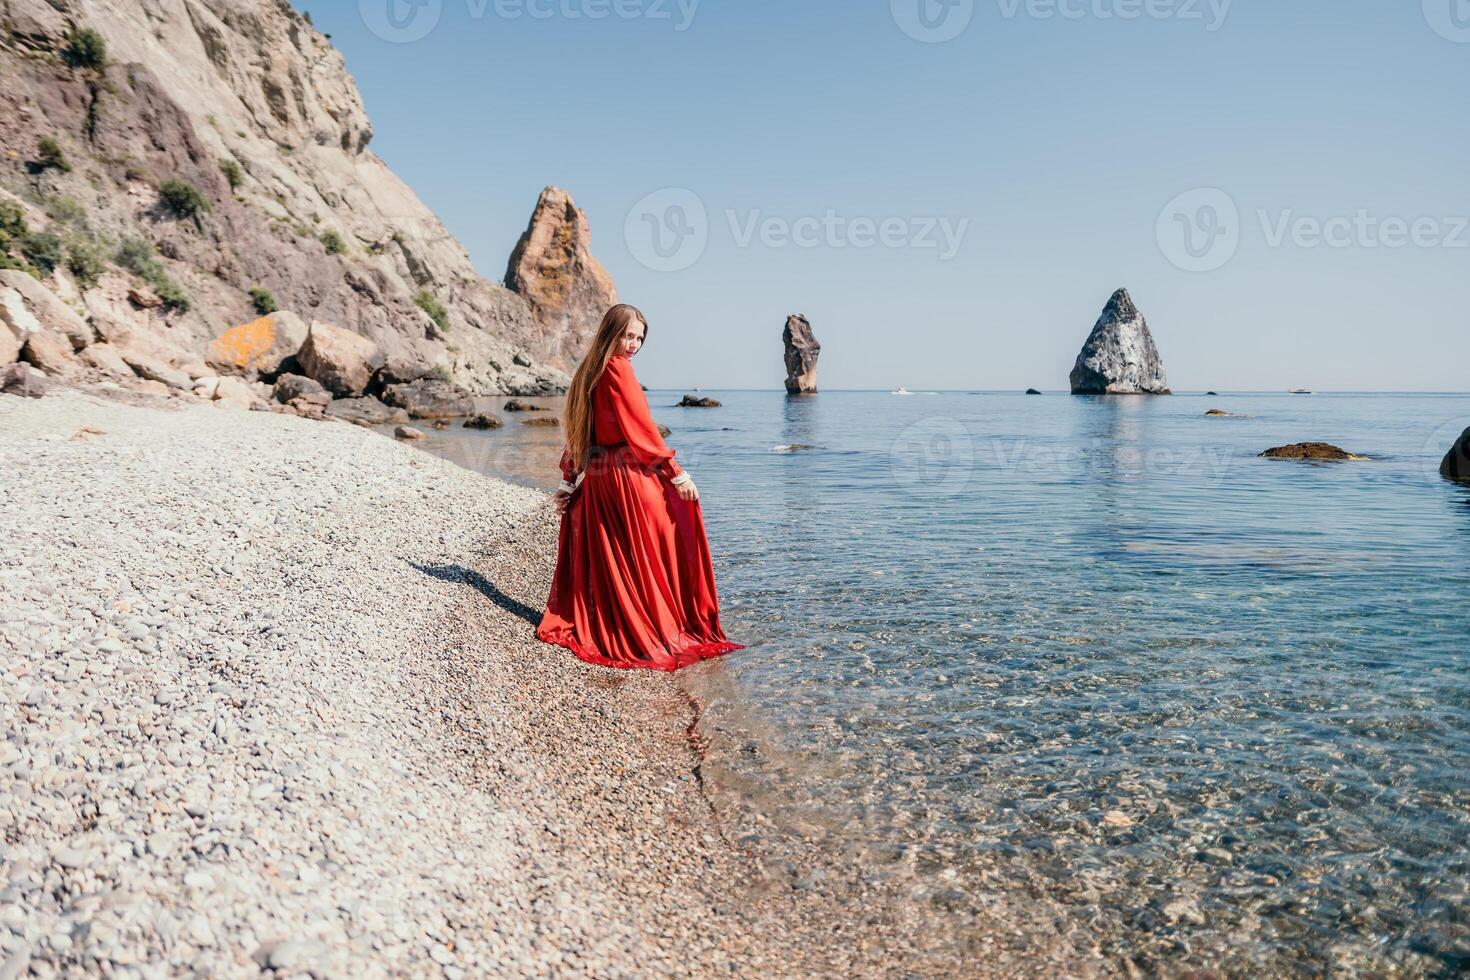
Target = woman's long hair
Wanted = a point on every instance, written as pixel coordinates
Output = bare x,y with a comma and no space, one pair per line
577,420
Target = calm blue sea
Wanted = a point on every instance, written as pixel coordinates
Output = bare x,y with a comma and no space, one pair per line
1092,656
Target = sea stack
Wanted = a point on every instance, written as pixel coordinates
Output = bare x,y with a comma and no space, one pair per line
1119,357
553,270
801,355
1456,464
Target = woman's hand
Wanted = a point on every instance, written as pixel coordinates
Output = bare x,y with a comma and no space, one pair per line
562,499
687,490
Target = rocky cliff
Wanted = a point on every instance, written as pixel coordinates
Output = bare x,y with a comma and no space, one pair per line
173,169
1119,357
552,268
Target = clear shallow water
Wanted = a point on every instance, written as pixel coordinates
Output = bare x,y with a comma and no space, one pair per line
1090,656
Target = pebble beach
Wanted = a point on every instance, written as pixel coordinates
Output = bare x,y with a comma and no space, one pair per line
272,702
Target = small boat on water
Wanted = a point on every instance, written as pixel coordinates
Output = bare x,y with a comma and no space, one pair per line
901,391
1300,391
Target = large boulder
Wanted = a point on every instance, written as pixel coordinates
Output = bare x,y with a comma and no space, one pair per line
339,360
365,410
430,398
552,268
155,369
23,380
236,393
1456,464
51,353
49,309
107,359
290,387
1119,357
260,347
17,323
10,344
801,355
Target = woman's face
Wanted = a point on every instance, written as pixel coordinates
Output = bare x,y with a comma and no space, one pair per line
633,337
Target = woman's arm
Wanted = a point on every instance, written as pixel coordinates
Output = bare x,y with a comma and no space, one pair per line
571,478
639,429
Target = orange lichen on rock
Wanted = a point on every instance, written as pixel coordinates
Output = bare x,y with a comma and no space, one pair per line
240,346
260,345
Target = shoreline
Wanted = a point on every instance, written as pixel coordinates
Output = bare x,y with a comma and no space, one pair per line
273,699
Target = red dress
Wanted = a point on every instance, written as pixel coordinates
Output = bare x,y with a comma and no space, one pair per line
633,585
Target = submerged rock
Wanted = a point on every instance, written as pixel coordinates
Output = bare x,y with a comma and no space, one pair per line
542,420
1309,450
802,351
1119,357
1456,464
692,401
515,405
483,421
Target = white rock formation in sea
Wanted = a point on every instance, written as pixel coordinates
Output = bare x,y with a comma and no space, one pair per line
1119,357
214,165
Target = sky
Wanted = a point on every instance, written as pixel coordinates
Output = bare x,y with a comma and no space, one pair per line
950,190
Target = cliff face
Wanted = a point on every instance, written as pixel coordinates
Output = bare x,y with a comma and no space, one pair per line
222,146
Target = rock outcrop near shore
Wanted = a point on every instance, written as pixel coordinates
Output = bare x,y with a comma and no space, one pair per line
175,168
1119,357
802,351
1310,451
553,270
1456,463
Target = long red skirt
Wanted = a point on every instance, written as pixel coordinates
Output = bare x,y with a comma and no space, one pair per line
633,586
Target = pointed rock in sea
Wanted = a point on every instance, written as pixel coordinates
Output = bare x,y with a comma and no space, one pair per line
802,351
1119,357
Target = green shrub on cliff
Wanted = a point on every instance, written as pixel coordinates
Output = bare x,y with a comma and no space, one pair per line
232,173
85,48
12,232
333,243
265,303
43,249
137,257
183,198
50,155
84,260
430,304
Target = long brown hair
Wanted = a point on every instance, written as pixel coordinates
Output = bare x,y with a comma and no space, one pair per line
577,420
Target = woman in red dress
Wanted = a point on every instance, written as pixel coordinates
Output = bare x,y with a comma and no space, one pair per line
633,585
